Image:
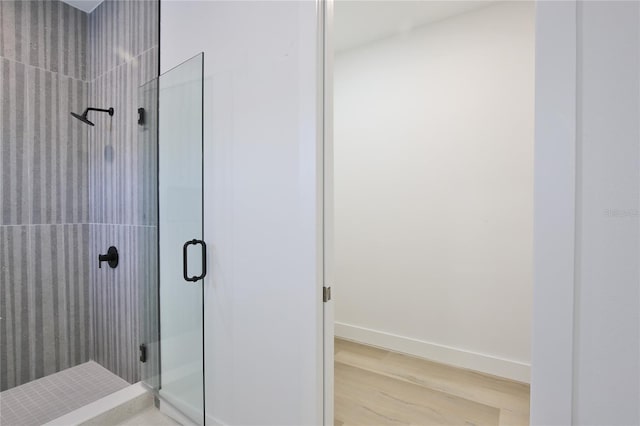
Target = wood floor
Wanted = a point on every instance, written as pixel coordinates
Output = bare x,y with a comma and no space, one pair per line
378,387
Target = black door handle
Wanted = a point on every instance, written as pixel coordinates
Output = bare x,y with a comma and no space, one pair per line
184,261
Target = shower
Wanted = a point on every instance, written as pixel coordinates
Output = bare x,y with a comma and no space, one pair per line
84,118
70,321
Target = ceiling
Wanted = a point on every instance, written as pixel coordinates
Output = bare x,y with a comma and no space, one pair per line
84,5
357,22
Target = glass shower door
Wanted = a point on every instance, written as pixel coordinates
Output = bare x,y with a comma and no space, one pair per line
173,313
182,251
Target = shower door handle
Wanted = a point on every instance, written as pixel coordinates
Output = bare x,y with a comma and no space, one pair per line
185,268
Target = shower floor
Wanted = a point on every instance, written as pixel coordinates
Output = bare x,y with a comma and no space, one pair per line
50,397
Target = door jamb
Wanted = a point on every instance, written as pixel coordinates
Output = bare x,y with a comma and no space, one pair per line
555,158
326,99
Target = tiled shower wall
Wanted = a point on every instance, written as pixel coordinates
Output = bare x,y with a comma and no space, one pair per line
44,214
69,191
123,55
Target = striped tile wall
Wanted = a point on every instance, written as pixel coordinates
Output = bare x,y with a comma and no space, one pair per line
44,151
116,303
68,191
59,157
44,234
120,30
123,55
15,339
120,188
44,298
14,148
47,34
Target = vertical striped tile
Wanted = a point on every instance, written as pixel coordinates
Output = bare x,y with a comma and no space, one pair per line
59,268
14,149
58,174
123,55
46,34
7,30
147,147
18,42
66,40
116,295
120,31
104,150
44,171
59,265
148,303
122,164
35,33
16,343
59,157
44,286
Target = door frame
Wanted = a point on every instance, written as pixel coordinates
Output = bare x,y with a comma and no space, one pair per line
325,40
552,360
554,219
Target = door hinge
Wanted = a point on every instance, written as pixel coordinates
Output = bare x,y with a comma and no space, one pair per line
326,294
143,353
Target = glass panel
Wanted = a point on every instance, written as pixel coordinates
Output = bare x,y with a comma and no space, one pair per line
148,264
180,221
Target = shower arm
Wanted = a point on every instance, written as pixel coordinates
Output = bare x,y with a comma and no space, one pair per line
109,110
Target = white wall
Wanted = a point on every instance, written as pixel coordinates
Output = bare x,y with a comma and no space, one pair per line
263,306
607,302
554,214
434,190
586,366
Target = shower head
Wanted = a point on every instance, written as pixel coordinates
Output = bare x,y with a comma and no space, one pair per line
84,118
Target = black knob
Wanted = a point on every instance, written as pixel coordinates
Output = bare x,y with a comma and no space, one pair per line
111,257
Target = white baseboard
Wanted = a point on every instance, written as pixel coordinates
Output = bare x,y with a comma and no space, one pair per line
168,409
509,369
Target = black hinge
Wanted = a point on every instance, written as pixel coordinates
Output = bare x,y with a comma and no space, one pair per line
141,116
143,353
326,294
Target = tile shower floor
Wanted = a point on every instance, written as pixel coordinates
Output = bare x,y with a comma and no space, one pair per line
50,397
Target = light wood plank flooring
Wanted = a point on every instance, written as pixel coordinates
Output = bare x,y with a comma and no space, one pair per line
379,387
